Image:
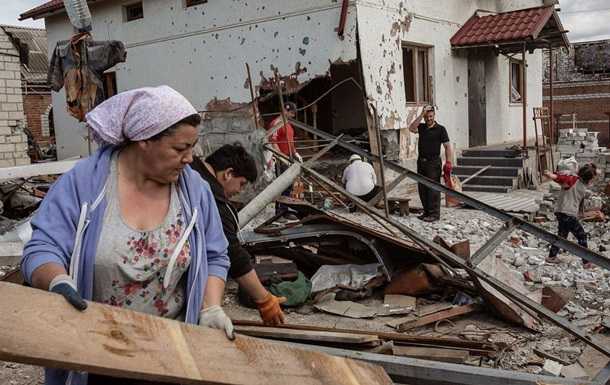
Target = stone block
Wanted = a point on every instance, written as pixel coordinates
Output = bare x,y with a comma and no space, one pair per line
7,163
14,139
22,161
21,147
12,67
7,147
7,75
16,83
5,131
552,368
9,107
7,45
13,98
17,115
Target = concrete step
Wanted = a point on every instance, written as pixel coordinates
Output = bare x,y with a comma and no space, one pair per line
491,153
492,181
493,161
492,189
493,171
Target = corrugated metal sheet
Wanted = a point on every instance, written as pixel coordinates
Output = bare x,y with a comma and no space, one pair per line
519,201
36,68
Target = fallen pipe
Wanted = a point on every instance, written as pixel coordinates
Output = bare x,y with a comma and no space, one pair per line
275,189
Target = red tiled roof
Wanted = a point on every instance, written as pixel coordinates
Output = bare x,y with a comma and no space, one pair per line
503,27
48,7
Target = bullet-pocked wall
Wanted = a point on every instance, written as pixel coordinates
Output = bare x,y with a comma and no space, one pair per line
202,50
389,27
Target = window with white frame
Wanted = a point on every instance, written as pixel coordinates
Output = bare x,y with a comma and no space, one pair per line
416,73
516,81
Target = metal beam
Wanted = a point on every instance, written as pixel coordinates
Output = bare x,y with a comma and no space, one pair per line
495,241
423,372
521,224
445,257
603,376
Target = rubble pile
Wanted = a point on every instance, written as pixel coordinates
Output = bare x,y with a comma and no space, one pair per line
583,145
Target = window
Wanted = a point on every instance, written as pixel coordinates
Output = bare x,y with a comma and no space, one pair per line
516,81
133,12
191,3
416,73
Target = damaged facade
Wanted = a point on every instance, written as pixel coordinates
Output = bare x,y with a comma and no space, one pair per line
398,53
581,88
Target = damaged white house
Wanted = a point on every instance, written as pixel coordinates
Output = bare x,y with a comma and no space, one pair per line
399,53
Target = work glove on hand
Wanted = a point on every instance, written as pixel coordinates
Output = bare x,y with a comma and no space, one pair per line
214,317
270,310
64,285
298,157
447,169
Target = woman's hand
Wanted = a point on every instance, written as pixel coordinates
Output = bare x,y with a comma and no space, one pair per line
214,317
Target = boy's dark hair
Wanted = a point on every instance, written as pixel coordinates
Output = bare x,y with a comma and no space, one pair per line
587,172
193,120
236,157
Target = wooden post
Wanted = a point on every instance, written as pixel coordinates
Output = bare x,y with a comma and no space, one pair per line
551,125
254,109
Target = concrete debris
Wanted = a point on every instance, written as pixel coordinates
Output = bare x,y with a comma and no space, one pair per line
552,368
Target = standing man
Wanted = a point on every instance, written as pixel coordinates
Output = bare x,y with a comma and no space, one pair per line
431,136
360,179
282,139
228,170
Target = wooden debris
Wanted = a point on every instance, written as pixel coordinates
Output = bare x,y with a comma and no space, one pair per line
308,335
414,322
434,354
28,171
41,328
398,338
549,356
433,308
555,298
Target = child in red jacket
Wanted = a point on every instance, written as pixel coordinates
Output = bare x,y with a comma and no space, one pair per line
570,206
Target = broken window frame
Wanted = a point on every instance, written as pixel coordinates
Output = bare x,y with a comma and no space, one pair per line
420,89
128,8
192,3
515,93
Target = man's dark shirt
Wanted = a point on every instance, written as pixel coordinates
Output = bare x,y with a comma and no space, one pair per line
430,140
241,260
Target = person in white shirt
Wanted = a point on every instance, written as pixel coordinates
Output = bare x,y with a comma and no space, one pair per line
360,179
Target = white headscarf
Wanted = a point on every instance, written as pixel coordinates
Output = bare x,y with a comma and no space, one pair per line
138,114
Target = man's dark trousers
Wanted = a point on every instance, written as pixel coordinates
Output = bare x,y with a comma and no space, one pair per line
430,199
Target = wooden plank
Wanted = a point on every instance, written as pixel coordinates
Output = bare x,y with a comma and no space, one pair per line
434,354
388,336
442,315
41,328
50,168
307,335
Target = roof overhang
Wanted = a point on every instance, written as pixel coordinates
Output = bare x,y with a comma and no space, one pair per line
47,9
512,32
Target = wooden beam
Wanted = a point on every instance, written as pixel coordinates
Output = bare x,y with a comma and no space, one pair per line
41,328
37,169
441,315
308,335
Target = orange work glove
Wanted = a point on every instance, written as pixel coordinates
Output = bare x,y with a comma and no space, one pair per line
270,310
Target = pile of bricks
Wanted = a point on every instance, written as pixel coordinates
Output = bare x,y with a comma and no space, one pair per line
13,141
584,146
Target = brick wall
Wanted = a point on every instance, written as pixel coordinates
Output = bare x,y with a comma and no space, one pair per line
13,142
577,91
36,108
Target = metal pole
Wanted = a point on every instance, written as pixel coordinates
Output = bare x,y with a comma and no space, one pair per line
381,165
254,109
524,99
551,109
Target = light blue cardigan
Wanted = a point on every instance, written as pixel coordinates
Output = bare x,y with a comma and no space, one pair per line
67,226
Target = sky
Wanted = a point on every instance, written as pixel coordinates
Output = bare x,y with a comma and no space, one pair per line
585,19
